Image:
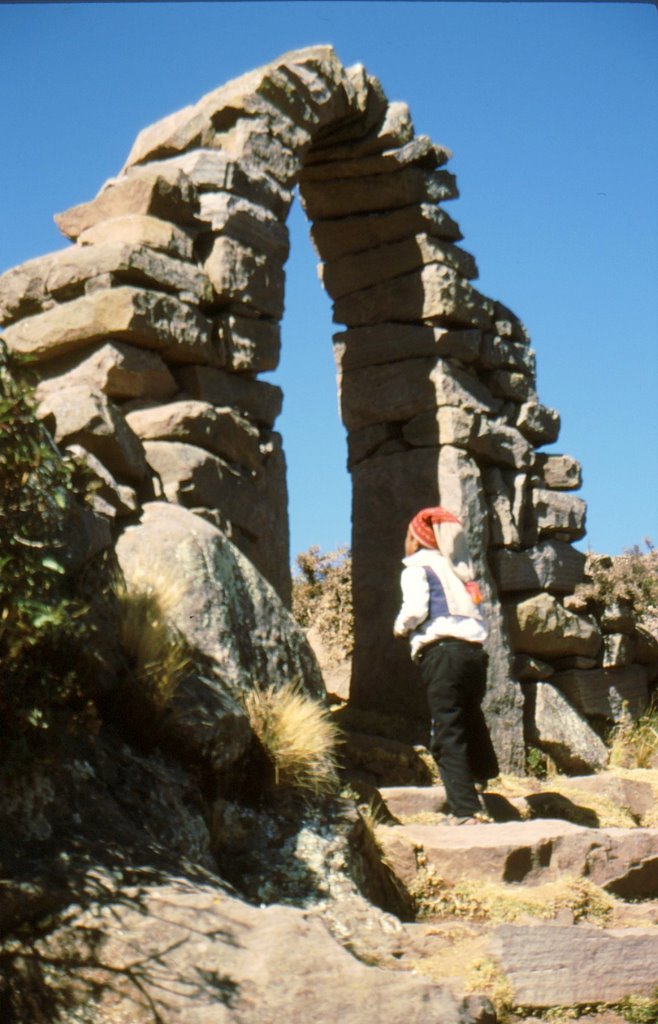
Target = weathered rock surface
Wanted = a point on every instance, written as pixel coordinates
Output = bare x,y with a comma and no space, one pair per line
120,371
621,860
220,431
202,955
556,727
166,198
141,229
348,196
435,293
79,416
541,626
226,611
360,270
551,565
608,692
390,343
335,238
244,275
578,964
144,318
256,399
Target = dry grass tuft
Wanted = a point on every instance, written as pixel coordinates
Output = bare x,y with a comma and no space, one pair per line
489,901
156,651
635,743
298,735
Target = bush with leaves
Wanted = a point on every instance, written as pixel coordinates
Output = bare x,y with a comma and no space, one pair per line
631,577
322,596
46,635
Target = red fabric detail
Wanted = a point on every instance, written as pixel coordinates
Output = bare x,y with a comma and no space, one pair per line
474,592
421,524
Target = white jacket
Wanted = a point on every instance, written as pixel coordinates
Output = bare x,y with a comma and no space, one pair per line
435,604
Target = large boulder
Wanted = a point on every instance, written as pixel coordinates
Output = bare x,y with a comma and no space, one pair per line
226,611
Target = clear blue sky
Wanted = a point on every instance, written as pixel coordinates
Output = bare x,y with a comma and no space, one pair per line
551,111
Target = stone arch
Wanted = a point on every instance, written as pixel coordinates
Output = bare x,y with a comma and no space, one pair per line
151,330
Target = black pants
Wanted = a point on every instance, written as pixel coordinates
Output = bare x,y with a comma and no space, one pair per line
455,675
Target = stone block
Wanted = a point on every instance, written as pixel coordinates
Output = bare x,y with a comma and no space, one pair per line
540,626
256,399
558,472
120,371
249,223
389,343
210,170
22,291
252,142
119,499
610,693
250,345
538,423
555,512
220,431
551,565
419,152
646,645
336,238
344,197
62,276
618,650
393,128
434,293
504,354
144,318
355,271
78,416
617,617
141,229
367,441
593,965
501,444
555,727
387,393
510,384
243,275
168,198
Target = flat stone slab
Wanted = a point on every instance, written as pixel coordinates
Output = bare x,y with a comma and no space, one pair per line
624,861
548,965
407,801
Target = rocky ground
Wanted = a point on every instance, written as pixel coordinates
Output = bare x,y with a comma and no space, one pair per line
130,893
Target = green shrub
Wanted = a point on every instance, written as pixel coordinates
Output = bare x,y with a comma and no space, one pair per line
46,634
631,577
322,596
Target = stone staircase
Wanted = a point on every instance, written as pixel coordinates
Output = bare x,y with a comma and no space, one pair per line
555,904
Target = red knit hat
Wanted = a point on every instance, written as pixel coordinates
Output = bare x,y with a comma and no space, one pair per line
422,523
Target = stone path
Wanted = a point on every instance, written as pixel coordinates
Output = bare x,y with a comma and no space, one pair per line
538,913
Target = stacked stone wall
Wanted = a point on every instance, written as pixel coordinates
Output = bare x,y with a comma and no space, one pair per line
150,331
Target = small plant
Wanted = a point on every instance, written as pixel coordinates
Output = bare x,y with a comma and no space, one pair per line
47,635
640,1009
322,597
157,654
536,763
487,977
298,736
635,743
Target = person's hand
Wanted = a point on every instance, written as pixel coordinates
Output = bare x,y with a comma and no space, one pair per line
474,592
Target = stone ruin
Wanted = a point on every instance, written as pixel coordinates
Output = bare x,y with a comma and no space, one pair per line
149,334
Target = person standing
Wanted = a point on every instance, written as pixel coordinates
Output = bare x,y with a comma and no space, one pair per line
441,615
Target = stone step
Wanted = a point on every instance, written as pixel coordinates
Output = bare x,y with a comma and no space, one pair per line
622,861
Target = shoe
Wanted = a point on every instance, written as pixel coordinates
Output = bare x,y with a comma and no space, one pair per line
479,818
